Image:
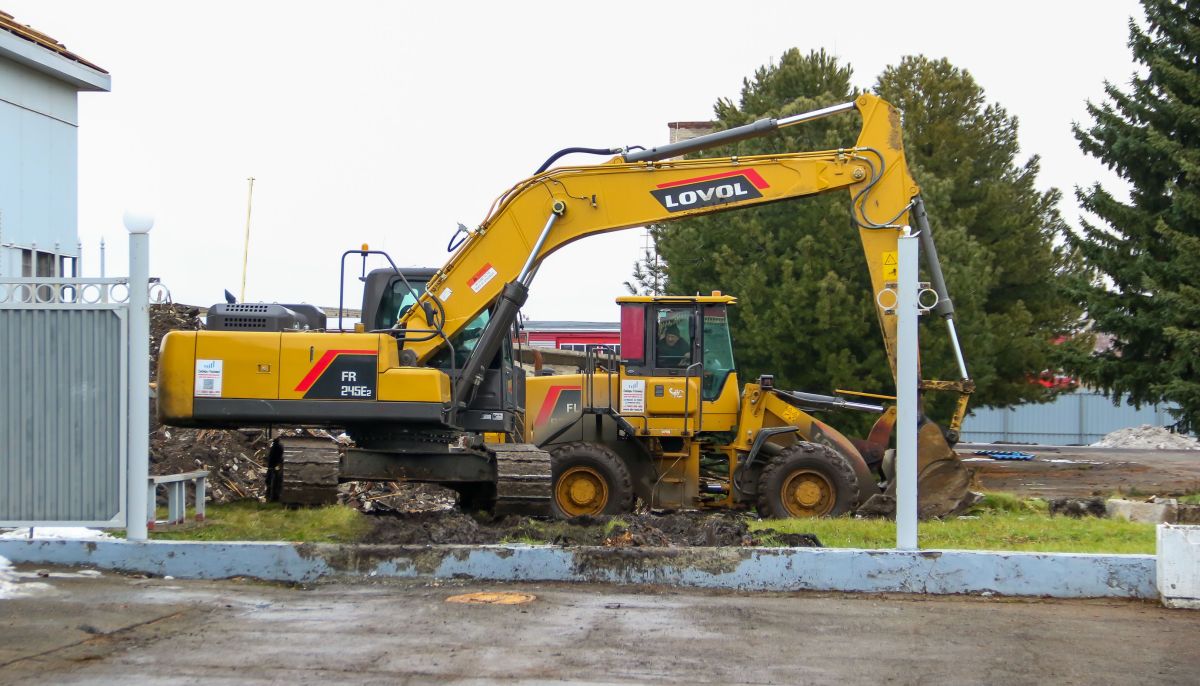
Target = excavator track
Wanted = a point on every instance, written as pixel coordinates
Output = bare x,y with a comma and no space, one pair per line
523,482
303,471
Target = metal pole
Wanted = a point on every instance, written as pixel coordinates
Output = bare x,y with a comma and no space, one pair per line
246,245
138,467
907,378
102,258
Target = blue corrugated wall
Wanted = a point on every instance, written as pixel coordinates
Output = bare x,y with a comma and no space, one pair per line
1079,418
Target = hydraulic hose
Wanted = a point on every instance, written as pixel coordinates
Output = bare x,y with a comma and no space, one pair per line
567,151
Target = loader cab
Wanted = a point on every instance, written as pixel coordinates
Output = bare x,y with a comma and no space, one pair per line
680,346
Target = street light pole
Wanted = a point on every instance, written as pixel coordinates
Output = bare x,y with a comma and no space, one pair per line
246,245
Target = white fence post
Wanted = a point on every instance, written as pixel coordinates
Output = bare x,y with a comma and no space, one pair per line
138,467
907,379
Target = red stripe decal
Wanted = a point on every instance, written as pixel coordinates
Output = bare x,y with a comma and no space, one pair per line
550,402
479,274
323,364
751,174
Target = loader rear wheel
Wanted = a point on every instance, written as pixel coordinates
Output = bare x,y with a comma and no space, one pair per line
589,479
807,480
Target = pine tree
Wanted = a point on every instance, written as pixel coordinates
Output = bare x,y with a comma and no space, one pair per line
806,308
1143,289
996,232
803,310
649,273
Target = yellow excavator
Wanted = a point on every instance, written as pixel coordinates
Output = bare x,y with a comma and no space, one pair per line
427,388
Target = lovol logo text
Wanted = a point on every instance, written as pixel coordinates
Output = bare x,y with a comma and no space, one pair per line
707,191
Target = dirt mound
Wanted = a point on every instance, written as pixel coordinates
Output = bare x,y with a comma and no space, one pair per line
236,461
1147,437
169,317
688,529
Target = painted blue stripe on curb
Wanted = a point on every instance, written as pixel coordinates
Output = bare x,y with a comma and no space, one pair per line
1057,575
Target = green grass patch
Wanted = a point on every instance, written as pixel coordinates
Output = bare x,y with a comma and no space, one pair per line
1006,502
1001,524
1190,499
253,521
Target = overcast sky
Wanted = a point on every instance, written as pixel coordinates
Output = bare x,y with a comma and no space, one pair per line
388,123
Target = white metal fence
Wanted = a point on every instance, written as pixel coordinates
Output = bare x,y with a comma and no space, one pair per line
74,397
63,401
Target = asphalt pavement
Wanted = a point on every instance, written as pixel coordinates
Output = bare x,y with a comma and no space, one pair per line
83,627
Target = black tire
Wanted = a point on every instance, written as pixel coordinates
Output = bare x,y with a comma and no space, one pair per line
592,469
807,480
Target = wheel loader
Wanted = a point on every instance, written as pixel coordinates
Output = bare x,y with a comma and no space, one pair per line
427,388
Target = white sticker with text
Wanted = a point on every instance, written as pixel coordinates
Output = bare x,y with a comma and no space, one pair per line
208,378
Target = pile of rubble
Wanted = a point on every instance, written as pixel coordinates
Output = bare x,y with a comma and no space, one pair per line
1147,437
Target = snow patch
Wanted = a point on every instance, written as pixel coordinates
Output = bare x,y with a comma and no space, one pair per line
8,588
1147,437
71,533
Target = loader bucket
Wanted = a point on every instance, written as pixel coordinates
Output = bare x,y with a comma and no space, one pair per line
943,481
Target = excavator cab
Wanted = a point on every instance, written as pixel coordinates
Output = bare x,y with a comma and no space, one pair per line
498,403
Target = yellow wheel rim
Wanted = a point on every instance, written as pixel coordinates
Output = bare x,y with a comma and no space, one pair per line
806,493
581,491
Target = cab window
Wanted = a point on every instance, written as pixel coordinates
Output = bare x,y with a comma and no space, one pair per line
463,343
395,303
673,338
718,351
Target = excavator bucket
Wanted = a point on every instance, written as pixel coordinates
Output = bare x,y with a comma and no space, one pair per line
943,481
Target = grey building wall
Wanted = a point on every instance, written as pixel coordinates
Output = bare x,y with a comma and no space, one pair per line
39,120
38,160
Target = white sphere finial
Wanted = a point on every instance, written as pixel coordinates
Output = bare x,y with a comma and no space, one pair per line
138,221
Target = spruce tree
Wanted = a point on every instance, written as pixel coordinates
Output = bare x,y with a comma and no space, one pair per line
1143,288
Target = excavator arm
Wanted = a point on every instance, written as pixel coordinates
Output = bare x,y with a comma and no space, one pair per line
495,265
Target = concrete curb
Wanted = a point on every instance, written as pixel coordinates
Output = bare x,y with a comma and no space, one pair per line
1056,575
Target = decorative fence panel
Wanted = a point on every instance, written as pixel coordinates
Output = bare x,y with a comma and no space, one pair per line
63,401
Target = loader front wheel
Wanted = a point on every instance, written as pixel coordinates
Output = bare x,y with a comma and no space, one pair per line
807,480
589,479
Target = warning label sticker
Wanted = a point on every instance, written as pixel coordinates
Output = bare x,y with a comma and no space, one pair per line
633,396
446,293
891,267
208,378
482,277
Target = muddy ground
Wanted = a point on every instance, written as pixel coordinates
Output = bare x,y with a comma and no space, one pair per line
665,530
1076,472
